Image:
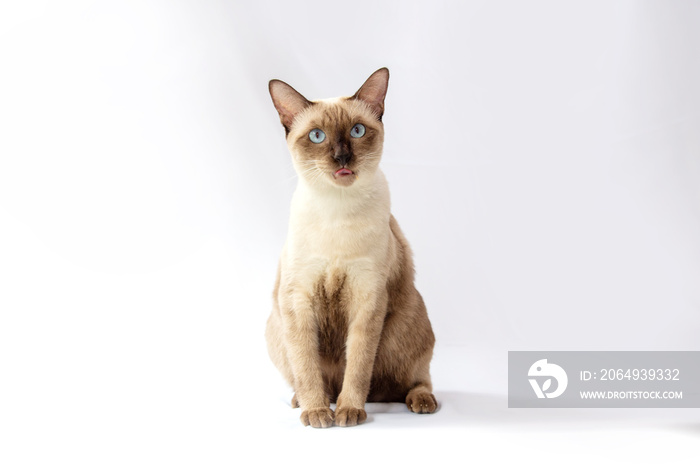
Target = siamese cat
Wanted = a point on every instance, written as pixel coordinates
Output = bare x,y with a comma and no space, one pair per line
347,324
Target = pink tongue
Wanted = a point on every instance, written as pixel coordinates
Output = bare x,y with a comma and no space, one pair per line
343,172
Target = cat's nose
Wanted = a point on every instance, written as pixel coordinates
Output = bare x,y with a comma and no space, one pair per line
342,157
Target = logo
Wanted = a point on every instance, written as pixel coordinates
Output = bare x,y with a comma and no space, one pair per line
545,371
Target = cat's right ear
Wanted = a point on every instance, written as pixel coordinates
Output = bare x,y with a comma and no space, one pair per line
288,102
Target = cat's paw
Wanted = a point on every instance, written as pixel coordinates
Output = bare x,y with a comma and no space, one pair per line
346,417
421,402
295,403
317,417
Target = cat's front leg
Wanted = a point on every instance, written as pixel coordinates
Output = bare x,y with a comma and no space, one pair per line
365,328
301,341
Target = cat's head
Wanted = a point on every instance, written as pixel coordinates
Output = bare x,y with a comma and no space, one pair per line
334,142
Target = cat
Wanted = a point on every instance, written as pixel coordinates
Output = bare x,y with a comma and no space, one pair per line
347,325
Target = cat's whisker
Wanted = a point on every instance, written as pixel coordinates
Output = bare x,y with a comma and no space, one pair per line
317,175
310,166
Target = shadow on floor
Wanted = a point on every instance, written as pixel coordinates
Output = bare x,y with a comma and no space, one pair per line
485,410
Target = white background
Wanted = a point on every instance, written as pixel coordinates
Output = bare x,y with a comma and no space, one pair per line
544,163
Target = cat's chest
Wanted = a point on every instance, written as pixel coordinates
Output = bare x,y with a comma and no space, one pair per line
348,232
338,236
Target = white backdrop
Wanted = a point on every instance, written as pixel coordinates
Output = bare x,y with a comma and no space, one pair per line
544,162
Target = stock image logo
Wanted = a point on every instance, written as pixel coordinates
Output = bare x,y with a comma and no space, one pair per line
543,371
604,379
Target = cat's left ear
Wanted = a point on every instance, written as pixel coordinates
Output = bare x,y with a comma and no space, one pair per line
288,102
373,91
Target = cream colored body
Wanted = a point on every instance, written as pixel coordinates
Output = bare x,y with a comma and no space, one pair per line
327,240
347,321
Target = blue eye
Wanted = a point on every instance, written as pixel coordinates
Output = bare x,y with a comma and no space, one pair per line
317,136
358,130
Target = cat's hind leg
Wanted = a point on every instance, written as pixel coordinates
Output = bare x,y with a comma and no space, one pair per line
421,400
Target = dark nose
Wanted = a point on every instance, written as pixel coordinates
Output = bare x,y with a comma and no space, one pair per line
342,154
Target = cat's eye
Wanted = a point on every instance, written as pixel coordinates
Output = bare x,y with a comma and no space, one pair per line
358,130
317,136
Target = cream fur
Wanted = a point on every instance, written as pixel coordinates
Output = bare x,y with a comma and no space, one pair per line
345,269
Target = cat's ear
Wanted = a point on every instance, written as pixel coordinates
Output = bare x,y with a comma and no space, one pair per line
288,102
373,91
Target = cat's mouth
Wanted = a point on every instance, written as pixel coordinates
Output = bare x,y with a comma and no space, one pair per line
344,177
343,172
